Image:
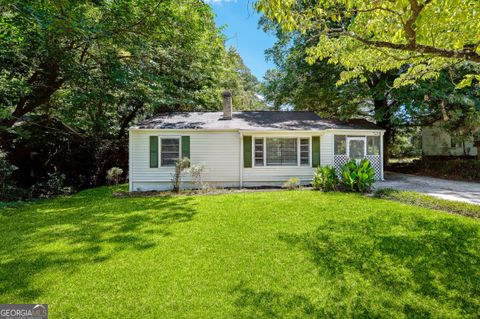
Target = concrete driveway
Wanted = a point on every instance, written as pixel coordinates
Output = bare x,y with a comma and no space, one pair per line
442,188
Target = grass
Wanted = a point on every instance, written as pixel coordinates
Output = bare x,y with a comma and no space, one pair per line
432,202
287,254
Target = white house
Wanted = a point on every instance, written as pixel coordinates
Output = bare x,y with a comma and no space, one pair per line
247,149
436,141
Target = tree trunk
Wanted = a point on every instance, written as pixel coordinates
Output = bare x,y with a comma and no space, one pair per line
383,115
44,83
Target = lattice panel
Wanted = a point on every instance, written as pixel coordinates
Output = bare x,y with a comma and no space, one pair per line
377,165
340,160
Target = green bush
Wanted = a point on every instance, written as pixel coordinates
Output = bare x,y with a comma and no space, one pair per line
292,183
357,177
325,178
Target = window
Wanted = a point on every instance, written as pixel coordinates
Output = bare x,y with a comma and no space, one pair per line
456,141
373,145
340,145
281,152
259,152
170,151
304,151
356,147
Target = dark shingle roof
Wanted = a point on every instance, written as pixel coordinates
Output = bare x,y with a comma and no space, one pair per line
251,120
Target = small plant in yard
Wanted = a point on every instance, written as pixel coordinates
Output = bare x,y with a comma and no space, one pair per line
357,176
196,172
292,183
53,185
181,166
325,178
113,175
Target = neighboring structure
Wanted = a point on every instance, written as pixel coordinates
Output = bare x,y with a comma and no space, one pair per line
437,142
246,149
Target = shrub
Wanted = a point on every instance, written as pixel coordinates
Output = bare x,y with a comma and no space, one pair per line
292,183
8,190
357,177
325,178
181,165
113,175
196,172
53,185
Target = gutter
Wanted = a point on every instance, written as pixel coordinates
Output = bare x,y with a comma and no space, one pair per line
241,160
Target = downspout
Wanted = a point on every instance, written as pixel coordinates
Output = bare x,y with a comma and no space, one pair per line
241,159
381,154
130,175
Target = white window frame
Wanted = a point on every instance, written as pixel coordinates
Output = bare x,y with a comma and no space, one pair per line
160,141
287,137
357,138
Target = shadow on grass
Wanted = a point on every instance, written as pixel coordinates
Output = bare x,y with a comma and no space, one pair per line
88,228
385,266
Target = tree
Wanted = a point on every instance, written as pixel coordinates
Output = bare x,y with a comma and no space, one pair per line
76,74
302,86
378,36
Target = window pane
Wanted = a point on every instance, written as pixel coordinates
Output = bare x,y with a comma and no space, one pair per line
304,151
281,152
357,149
170,151
340,145
373,145
259,152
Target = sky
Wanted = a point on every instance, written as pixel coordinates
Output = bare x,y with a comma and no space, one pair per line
240,23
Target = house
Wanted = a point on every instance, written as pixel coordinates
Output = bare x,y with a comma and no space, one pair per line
247,149
436,141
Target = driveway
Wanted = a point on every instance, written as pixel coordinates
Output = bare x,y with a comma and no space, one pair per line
442,188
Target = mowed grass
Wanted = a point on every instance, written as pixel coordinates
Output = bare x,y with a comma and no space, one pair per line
281,254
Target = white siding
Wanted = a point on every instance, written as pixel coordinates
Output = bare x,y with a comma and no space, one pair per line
219,152
326,149
436,141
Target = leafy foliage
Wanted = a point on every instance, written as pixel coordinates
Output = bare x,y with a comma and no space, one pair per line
292,183
424,36
181,166
76,74
325,178
114,174
357,177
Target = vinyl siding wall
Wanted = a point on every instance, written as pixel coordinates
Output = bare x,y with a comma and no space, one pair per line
221,154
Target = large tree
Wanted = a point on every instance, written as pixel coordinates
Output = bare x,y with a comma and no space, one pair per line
378,36
75,75
302,86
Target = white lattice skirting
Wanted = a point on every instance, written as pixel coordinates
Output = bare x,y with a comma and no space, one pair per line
340,160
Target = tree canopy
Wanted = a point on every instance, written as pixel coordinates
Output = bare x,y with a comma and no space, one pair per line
77,73
422,36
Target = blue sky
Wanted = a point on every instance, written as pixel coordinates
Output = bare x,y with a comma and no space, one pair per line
241,29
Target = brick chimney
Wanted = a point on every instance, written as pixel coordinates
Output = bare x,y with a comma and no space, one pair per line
227,105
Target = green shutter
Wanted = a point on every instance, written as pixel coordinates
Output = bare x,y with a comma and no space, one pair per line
315,151
186,146
153,151
247,151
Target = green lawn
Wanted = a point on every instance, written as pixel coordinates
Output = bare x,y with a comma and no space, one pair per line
249,255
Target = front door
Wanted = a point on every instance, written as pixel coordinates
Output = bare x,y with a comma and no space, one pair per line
356,147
